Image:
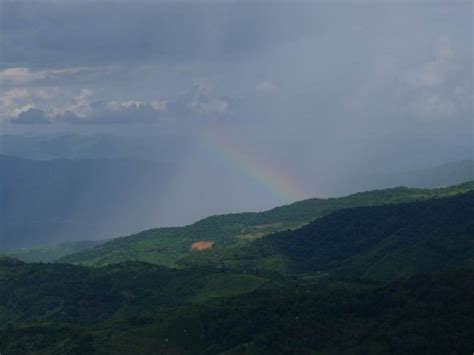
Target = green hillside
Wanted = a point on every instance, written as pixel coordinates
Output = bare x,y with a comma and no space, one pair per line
387,278
147,309
378,242
166,246
52,308
426,314
69,293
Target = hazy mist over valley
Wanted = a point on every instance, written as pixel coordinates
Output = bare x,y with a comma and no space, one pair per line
74,187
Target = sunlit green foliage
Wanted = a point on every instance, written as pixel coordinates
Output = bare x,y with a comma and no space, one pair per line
380,242
165,246
383,279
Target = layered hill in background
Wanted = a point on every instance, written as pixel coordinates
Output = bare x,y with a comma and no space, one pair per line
437,176
65,188
173,246
50,253
44,202
164,149
85,147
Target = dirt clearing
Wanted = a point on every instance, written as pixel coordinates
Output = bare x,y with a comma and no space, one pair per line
202,245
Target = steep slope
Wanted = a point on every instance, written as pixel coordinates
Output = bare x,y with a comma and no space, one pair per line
166,246
378,242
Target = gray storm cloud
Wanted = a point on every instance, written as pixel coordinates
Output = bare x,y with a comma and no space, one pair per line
32,116
324,90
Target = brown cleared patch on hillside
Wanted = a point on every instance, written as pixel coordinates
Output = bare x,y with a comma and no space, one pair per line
202,245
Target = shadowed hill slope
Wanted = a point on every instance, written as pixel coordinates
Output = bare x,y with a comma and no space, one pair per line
378,242
146,309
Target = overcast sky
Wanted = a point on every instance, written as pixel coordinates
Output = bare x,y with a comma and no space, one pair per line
310,87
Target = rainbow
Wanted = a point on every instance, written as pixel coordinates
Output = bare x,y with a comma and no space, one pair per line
277,181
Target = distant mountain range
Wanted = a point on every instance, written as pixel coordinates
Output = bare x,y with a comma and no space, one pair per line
104,188
161,149
169,150
52,201
443,175
50,253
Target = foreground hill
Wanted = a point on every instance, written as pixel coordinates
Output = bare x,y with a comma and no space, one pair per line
68,293
166,246
146,309
53,308
426,314
378,242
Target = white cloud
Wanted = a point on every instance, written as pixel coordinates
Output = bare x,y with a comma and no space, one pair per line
199,101
38,105
159,105
32,116
434,105
441,87
125,112
19,100
18,75
50,103
209,105
443,48
438,87
22,75
436,71
81,105
20,109
120,105
266,87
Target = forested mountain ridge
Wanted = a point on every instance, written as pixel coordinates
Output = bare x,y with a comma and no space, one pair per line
141,308
377,242
166,246
388,278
